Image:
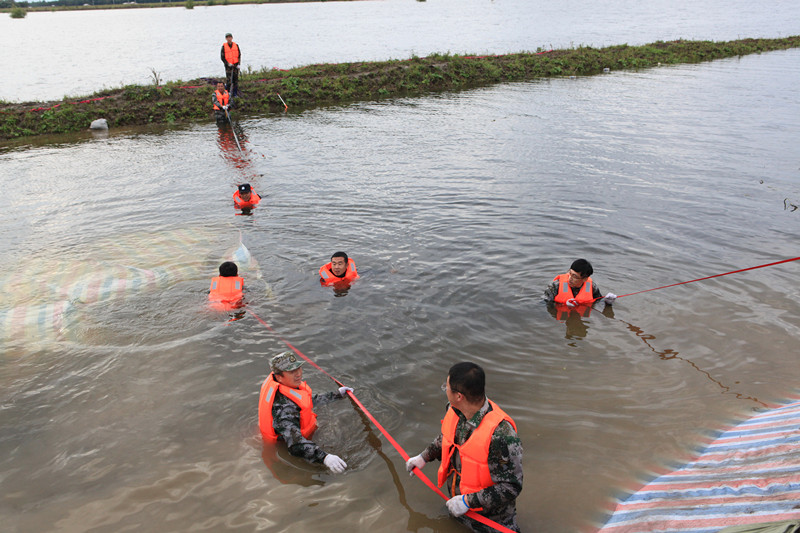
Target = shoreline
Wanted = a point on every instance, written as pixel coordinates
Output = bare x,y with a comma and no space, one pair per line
127,4
341,83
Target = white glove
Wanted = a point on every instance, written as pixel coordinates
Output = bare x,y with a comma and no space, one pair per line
416,461
609,298
572,302
457,505
335,463
225,107
344,390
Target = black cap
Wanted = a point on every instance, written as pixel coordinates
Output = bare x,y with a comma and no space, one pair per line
228,35
244,187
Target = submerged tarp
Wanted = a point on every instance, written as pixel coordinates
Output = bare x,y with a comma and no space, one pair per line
44,297
749,474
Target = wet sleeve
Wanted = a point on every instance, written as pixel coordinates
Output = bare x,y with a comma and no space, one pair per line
434,450
596,291
214,100
505,467
550,292
286,422
325,398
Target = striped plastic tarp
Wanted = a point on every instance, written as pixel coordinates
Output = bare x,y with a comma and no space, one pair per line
44,299
749,474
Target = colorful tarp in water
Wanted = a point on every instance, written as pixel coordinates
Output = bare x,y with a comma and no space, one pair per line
44,298
749,474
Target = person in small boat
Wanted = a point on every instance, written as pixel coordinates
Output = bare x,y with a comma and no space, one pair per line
339,272
286,411
227,289
221,101
231,56
245,197
479,450
575,291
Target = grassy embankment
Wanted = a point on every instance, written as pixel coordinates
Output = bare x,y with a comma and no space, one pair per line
327,84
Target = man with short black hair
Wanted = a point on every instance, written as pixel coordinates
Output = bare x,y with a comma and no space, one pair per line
575,290
227,289
486,482
221,101
339,272
286,411
231,56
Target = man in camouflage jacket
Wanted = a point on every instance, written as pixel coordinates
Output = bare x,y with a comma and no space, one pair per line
287,370
465,392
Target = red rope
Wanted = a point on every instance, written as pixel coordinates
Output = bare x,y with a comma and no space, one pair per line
472,514
714,276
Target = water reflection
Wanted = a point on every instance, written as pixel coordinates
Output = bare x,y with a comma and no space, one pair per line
232,141
286,468
669,354
573,319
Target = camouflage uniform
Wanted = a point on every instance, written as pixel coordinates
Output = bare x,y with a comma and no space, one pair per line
286,422
505,467
551,292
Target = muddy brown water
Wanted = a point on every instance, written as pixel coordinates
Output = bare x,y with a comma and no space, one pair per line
458,210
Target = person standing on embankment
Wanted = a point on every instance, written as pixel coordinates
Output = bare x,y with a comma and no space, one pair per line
231,57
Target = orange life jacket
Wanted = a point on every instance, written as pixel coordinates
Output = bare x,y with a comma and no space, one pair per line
231,52
326,276
222,98
584,297
474,453
241,204
301,396
226,292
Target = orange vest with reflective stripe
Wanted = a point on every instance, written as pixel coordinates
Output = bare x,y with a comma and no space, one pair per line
301,396
474,453
584,297
229,289
222,98
241,204
231,52
326,276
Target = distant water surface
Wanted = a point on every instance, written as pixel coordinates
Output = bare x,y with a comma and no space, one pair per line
77,53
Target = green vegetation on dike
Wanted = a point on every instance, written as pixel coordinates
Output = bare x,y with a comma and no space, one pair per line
327,84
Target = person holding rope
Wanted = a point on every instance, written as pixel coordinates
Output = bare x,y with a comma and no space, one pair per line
221,101
286,411
231,57
575,292
479,450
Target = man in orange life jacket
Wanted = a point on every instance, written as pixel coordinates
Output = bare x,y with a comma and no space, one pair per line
221,100
286,411
575,292
245,197
479,450
340,272
231,57
227,289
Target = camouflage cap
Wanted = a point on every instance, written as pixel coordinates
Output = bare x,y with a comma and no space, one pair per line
285,362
